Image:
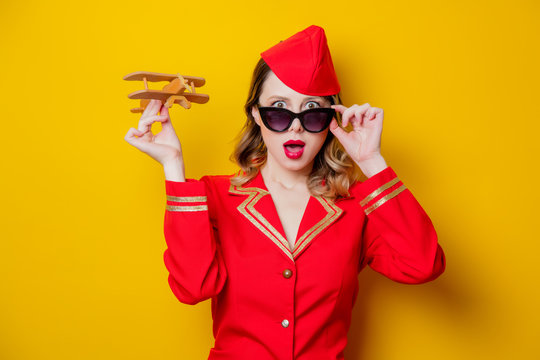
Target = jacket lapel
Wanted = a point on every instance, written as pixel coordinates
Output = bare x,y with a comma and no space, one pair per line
259,209
319,215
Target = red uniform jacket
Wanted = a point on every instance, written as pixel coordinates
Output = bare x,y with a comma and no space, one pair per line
271,302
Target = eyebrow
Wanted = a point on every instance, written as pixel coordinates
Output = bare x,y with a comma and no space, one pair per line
286,98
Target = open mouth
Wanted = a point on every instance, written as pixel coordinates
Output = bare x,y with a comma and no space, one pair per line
294,148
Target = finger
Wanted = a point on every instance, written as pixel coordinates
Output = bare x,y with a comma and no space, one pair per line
370,114
348,116
377,112
361,114
339,108
367,114
165,112
132,137
141,143
132,132
146,124
338,132
149,108
152,108
155,109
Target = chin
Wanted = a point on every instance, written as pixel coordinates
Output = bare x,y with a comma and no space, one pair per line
295,165
289,164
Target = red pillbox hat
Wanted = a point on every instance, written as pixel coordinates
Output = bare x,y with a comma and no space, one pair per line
303,63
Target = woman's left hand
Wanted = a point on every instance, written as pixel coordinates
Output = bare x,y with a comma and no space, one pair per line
363,143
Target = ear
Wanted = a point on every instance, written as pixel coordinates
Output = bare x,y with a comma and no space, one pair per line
255,114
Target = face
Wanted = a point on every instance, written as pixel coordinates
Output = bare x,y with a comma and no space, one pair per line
291,157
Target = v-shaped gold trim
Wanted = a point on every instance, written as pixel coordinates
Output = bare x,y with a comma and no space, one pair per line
259,221
333,212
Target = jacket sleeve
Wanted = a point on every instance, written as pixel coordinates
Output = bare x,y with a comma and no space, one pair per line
399,239
193,256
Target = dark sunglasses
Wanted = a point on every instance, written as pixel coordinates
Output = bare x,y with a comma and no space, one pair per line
280,119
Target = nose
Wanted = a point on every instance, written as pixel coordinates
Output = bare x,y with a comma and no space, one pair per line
296,126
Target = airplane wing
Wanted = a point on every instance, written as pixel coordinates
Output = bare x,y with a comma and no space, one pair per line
154,76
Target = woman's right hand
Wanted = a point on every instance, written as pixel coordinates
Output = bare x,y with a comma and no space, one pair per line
164,147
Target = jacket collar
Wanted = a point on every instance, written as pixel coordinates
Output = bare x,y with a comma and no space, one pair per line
257,183
259,209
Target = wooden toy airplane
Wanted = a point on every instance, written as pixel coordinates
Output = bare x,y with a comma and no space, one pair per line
172,93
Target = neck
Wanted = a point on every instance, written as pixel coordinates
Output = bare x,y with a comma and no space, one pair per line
289,179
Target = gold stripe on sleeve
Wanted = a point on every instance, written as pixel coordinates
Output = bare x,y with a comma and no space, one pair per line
187,208
186,198
385,199
378,191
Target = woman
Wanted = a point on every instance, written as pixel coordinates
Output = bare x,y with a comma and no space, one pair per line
278,246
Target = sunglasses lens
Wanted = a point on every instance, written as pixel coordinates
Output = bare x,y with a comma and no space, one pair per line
316,121
277,120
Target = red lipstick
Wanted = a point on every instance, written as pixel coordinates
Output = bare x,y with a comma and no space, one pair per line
294,148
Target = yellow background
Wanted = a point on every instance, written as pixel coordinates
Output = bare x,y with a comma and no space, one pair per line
82,210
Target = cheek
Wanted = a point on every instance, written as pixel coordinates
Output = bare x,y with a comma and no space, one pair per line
318,141
271,139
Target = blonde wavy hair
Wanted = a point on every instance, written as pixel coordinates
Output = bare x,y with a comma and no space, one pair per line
333,170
